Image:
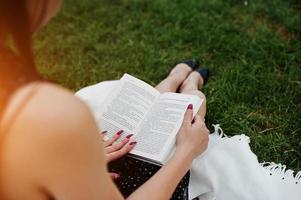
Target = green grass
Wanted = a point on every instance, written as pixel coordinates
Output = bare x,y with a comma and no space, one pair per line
253,52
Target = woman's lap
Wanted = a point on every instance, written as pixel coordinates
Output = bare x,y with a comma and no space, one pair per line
133,173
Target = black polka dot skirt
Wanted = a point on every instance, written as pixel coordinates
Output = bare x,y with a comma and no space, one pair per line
134,173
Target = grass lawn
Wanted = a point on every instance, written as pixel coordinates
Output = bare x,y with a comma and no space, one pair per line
253,49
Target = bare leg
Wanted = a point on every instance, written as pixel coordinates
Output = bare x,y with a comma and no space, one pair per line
192,85
176,77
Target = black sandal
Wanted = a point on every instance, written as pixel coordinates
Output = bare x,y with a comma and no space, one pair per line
204,72
192,63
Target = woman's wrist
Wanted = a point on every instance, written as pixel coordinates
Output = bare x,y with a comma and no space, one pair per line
184,155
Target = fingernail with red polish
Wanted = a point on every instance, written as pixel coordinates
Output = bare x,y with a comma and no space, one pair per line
129,136
190,106
133,143
104,132
119,132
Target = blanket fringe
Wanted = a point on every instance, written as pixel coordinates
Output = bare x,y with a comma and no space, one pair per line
218,131
281,170
272,167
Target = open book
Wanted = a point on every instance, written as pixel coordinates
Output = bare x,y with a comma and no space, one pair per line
153,118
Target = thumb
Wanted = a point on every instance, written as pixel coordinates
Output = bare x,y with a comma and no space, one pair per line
188,115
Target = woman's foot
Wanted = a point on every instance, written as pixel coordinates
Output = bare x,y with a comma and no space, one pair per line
204,72
191,63
181,70
176,77
193,82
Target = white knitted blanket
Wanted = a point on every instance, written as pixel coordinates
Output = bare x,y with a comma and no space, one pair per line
229,170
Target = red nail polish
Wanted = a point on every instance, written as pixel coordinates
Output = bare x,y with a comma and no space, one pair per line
190,106
129,136
119,132
133,143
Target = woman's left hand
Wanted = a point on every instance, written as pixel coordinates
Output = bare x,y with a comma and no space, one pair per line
115,150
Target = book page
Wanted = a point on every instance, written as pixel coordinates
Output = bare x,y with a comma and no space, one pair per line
126,106
157,134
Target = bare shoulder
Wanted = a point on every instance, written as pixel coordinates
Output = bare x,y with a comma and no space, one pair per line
46,103
51,112
51,132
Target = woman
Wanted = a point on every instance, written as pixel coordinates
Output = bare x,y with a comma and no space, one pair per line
50,147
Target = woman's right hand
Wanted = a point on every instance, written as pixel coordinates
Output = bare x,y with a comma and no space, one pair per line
193,136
